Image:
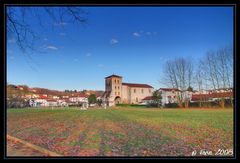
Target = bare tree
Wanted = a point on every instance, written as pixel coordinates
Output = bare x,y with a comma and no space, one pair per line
218,66
22,20
201,82
178,74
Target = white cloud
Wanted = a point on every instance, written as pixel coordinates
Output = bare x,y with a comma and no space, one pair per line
51,47
88,54
10,51
164,59
60,24
100,65
148,33
12,40
62,34
136,34
75,60
113,41
45,39
11,57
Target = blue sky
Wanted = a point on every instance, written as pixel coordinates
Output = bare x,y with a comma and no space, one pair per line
133,42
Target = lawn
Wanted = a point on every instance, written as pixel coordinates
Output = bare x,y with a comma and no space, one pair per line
124,131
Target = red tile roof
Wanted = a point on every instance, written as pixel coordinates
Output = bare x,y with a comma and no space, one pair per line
148,98
137,85
43,97
169,89
222,94
113,76
106,94
51,100
196,97
79,95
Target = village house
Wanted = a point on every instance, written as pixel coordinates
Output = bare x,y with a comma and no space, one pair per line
147,100
46,102
169,95
117,92
79,98
212,95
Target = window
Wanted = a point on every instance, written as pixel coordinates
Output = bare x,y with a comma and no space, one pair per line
118,81
149,90
134,90
118,93
142,91
115,87
136,99
118,87
115,81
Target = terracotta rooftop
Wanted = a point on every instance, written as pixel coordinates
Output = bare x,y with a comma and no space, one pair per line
197,97
148,98
106,94
79,95
137,85
113,76
169,89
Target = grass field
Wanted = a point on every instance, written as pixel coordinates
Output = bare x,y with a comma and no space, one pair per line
124,131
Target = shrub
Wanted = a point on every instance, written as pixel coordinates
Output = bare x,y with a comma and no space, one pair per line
171,105
131,105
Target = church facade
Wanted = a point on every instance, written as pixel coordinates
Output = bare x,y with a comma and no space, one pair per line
116,91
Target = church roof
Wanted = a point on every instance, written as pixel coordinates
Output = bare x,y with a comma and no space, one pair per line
106,94
169,89
113,76
137,85
148,98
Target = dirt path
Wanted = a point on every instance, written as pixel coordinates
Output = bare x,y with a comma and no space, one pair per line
18,149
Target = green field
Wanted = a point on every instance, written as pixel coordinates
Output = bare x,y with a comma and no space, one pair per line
123,131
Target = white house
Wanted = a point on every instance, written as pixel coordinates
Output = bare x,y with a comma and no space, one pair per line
51,102
79,98
55,97
169,95
147,100
37,102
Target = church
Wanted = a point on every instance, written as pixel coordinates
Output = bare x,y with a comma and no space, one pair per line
117,92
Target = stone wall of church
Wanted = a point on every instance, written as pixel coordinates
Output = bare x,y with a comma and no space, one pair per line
137,94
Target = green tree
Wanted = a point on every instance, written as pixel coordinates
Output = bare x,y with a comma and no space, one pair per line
157,98
15,97
190,88
92,99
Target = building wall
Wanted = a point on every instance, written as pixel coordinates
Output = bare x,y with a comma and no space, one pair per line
128,95
165,99
114,85
137,94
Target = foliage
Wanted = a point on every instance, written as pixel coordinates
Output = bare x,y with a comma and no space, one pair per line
99,102
123,132
15,97
190,88
131,105
157,99
171,105
92,99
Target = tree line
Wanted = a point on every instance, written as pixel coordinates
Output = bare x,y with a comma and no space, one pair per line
214,71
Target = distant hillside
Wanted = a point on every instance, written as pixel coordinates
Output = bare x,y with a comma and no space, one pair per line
24,89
